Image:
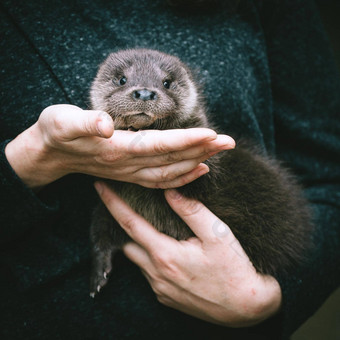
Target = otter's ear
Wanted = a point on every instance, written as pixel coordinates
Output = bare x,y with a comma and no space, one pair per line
182,66
190,74
111,67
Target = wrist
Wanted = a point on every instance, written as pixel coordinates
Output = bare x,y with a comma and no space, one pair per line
31,159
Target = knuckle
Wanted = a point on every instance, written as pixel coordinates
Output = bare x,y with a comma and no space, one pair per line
161,148
158,287
172,157
128,223
139,176
171,271
109,156
56,119
161,258
165,262
166,174
58,122
55,134
191,207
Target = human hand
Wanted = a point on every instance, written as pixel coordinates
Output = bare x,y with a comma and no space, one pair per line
208,276
67,139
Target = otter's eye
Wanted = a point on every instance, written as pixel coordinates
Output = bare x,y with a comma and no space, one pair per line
166,83
122,80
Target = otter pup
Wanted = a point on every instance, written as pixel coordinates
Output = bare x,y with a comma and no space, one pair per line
258,199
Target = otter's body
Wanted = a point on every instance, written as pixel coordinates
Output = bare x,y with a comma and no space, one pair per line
258,199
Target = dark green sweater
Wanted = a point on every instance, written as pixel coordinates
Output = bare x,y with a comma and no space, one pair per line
268,75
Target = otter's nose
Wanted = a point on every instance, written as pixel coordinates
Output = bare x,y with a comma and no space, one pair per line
144,95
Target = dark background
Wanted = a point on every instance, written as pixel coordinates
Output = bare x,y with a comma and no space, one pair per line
325,324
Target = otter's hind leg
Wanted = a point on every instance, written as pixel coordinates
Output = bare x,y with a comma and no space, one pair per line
107,237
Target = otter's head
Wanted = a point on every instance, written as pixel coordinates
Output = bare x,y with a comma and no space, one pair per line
147,89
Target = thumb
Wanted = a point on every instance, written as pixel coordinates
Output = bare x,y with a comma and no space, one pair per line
70,122
205,225
197,216
99,123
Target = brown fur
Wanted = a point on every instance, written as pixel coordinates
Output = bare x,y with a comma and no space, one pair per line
258,199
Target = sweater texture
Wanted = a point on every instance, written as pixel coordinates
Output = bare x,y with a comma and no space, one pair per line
268,75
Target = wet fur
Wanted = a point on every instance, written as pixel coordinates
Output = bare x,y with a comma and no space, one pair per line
257,198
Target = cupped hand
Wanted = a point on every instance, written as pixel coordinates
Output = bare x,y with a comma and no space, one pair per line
67,139
208,276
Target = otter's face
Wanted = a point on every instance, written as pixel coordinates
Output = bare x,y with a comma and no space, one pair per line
144,89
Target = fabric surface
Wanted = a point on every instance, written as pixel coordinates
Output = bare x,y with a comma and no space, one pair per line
268,75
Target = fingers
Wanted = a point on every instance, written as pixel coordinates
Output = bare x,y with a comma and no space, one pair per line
179,181
200,152
176,168
204,224
104,123
155,142
189,177
168,173
138,255
141,231
69,122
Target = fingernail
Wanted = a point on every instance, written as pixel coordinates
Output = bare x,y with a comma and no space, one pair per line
99,187
225,141
103,115
203,172
174,194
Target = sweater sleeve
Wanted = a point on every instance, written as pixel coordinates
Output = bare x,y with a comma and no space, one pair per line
306,104
20,207
27,87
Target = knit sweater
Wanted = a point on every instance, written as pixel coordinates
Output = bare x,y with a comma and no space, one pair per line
268,75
